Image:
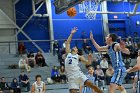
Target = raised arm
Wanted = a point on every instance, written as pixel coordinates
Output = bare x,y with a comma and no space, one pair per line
99,48
85,61
69,39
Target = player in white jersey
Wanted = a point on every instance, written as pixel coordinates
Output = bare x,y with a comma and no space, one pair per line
38,86
76,78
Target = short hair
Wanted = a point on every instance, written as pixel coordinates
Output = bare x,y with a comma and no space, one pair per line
90,67
113,36
37,76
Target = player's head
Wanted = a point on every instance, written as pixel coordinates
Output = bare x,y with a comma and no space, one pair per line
111,38
90,70
38,77
74,50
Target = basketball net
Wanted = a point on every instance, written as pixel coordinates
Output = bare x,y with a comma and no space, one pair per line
89,7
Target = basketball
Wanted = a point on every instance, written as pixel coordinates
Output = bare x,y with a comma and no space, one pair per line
71,12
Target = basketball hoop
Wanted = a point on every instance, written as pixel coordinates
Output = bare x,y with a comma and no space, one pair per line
87,6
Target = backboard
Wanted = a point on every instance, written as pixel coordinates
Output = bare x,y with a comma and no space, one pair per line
63,5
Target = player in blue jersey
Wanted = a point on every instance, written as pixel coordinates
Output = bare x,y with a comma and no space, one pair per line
114,50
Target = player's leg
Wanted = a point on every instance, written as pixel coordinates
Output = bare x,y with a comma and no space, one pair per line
113,87
73,84
122,89
88,83
117,80
114,80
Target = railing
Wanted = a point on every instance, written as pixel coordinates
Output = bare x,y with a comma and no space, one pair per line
11,47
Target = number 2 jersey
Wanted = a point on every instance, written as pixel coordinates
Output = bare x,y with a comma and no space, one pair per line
72,64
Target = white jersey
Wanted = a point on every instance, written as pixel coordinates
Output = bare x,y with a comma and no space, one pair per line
71,64
38,87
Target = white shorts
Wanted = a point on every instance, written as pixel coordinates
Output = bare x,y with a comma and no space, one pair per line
76,80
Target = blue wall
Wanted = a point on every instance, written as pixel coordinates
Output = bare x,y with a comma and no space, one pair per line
63,24
36,28
128,23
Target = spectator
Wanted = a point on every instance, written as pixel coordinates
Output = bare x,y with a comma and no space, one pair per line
100,77
64,44
86,47
40,60
130,47
15,86
91,77
24,81
4,87
55,48
95,62
129,43
55,75
109,74
38,86
136,38
23,63
62,57
129,76
104,64
21,48
31,60
62,74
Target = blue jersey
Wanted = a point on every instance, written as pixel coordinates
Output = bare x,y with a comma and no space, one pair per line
87,89
116,57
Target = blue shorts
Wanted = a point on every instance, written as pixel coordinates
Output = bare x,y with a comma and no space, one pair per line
118,76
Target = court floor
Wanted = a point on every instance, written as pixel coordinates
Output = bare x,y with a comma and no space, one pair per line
63,88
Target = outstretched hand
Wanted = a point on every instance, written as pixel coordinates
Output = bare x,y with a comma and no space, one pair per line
74,30
91,35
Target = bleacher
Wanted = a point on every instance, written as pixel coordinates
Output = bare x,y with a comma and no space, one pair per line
9,74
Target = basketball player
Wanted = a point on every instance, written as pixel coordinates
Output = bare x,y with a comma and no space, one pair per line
114,50
38,86
76,78
137,66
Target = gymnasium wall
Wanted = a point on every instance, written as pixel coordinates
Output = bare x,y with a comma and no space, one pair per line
63,24
125,24
7,29
36,28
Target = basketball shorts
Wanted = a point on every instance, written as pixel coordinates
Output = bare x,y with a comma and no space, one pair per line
118,76
77,80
